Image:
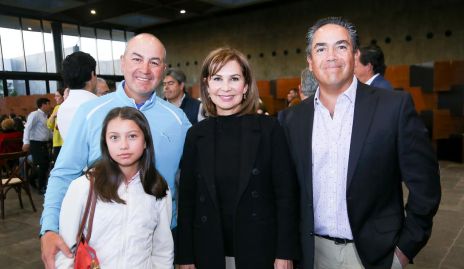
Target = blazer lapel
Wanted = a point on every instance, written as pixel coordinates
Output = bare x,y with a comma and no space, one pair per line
249,144
206,148
364,111
305,122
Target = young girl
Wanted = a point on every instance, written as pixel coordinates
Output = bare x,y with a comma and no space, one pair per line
131,226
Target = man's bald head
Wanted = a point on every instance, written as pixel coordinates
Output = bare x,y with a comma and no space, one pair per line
142,65
145,37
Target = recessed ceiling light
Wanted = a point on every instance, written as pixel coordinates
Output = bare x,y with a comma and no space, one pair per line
93,11
29,28
182,11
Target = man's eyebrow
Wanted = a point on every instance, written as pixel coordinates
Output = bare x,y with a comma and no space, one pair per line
320,44
342,42
141,56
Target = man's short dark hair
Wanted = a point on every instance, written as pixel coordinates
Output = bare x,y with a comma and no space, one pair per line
373,54
42,101
77,69
351,28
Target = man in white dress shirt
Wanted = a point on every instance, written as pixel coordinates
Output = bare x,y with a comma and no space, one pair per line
35,138
353,146
79,76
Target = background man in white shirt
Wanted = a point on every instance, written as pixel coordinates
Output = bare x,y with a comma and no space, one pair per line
79,76
35,138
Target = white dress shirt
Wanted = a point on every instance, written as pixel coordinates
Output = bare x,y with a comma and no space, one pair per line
36,127
369,81
331,139
68,109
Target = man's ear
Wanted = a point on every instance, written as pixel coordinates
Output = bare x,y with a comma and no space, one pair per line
309,60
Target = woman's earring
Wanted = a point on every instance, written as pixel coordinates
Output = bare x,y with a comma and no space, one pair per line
244,96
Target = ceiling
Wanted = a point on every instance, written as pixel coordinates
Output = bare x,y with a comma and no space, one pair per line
132,15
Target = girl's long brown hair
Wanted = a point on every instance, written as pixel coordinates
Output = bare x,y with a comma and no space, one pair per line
108,176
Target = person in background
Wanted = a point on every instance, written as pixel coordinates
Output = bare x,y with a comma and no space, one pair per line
370,67
79,75
36,137
127,186
292,97
8,133
308,84
52,124
176,94
237,196
354,146
102,87
142,65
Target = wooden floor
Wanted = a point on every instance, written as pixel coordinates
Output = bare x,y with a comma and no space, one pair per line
20,246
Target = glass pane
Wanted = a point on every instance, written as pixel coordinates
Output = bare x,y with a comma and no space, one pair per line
129,35
34,46
105,56
16,87
88,42
12,44
70,39
37,87
1,62
49,47
53,85
119,45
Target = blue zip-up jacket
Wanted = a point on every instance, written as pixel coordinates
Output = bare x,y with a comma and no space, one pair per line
168,126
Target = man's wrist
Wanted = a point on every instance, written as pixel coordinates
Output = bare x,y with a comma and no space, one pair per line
46,231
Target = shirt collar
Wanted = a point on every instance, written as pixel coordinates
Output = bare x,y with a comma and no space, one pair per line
150,100
350,93
372,79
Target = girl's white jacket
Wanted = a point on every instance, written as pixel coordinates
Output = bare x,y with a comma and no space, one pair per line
132,235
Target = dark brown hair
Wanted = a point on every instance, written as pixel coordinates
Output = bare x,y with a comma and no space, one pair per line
108,176
212,64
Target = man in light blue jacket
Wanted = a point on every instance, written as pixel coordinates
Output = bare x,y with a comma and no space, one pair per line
142,64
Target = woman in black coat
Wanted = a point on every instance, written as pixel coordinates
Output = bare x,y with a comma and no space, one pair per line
238,198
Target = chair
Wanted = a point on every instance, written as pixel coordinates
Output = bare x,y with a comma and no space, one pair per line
14,176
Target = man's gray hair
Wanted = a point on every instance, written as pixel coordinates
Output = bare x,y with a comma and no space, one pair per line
332,20
309,83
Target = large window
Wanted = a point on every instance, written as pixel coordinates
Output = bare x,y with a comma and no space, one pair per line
119,45
34,46
16,87
105,55
12,44
37,87
70,39
27,46
88,41
53,86
49,47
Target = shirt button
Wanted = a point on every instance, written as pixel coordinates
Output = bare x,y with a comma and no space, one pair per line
255,172
254,194
204,219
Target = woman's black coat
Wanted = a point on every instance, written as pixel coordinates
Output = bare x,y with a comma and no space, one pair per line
266,211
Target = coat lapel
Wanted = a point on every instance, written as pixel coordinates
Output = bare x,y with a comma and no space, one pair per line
206,148
249,144
305,122
364,111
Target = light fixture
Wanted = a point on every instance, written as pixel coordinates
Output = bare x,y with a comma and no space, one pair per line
182,11
29,28
93,12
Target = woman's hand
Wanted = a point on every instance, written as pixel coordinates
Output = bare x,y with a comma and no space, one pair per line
283,264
